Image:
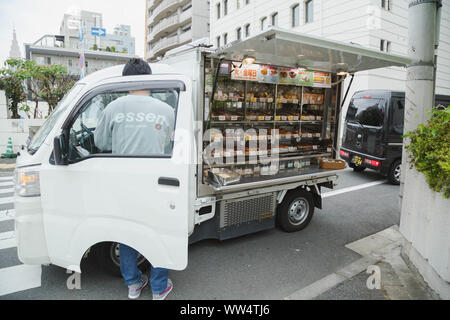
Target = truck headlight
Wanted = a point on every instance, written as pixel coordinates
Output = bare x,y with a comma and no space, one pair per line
27,183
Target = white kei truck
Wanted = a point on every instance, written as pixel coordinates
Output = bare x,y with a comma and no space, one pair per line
72,199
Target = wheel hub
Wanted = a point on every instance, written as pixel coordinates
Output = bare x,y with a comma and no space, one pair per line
298,212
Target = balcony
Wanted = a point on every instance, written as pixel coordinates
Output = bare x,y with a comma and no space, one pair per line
165,6
163,45
168,24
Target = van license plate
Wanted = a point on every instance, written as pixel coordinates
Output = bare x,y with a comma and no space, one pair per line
357,160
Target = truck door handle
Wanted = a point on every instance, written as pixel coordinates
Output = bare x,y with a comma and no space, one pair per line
169,182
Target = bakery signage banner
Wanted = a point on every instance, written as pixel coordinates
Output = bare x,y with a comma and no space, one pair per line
248,72
280,75
268,74
322,80
305,78
288,76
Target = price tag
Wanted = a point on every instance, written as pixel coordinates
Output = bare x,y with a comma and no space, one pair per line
295,101
315,147
222,118
234,118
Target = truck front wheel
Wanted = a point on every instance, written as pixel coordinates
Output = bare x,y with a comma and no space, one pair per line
296,210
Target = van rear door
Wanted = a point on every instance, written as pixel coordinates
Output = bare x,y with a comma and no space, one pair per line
143,200
365,125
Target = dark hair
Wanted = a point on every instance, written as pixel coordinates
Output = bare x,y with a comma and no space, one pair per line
136,67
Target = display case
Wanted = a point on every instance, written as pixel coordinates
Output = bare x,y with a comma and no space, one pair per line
263,122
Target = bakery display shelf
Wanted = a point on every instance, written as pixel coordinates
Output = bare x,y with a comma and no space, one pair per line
281,158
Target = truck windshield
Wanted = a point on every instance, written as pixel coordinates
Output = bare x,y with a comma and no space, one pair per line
366,112
48,125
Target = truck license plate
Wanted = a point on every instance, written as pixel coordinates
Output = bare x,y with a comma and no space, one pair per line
357,160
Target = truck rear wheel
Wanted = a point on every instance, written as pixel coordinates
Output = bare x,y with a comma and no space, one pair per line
296,210
107,256
394,172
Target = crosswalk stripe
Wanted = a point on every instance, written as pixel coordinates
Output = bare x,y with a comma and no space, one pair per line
7,240
354,188
8,200
7,215
19,278
4,191
6,184
8,178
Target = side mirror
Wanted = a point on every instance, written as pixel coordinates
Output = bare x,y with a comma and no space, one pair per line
59,151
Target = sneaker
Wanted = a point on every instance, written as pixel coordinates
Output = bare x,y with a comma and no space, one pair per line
134,290
165,293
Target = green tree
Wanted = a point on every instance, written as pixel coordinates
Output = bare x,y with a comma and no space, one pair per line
12,82
53,82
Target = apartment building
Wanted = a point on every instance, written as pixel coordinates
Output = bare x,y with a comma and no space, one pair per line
120,39
377,24
172,23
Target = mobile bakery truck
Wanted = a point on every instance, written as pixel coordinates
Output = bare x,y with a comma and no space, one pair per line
254,145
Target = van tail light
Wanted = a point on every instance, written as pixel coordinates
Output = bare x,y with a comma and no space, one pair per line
373,163
344,154
367,97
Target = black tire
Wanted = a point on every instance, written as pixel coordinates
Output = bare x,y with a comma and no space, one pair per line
395,172
296,210
107,257
359,169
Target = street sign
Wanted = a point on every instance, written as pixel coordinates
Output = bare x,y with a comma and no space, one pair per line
98,32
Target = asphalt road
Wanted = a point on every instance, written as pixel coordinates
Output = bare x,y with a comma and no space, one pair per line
267,265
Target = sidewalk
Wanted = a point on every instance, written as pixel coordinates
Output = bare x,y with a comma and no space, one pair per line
380,252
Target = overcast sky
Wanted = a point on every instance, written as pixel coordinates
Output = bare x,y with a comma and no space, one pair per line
35,18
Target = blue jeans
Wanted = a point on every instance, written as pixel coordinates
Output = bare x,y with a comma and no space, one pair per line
132,274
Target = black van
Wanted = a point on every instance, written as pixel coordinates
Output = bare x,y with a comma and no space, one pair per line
373,131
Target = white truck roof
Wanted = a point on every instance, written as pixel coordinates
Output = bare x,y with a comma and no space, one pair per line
116,71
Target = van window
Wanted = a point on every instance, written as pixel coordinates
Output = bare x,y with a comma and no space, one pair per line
398,110
125,124
366,111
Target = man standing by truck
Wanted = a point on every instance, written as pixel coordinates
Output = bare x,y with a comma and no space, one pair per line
137,124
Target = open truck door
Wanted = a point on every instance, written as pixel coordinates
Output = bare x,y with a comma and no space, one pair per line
92,196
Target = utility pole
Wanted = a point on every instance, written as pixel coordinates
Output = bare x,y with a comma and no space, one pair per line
424,220
424,22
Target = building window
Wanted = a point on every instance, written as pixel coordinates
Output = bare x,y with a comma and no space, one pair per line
238,4
264,23
275,19
218,41
309,11
238,33
48,60
385,45
247,30
225,7
295,15
225,38
386,4
70,63
218,10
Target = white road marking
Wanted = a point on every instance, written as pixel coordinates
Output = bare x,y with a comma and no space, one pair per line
8,200
354,188
6,184
8,178
7,240
7,215
5,191
19,278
